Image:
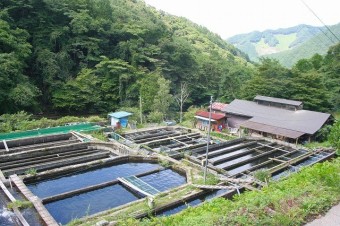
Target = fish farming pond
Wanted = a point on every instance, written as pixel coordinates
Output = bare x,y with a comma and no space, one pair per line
234,158
146,172
66,196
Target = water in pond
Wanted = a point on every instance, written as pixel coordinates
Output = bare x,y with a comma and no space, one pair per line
89,203
59,185
7,217
109,197
308,161
235,161
248,166
30,214
164,180
296,154
193,202
229,154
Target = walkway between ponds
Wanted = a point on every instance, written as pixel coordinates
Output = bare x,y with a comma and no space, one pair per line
42,211
332,218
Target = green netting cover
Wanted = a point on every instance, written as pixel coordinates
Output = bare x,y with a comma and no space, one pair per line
48,131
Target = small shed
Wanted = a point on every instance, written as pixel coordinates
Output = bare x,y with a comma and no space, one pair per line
218,121
119,119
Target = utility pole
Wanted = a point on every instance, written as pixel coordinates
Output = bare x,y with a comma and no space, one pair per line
140,109
208,141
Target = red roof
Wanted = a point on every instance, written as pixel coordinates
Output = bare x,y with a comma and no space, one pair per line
218,106
214,116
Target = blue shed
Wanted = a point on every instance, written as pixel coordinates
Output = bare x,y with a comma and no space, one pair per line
119,119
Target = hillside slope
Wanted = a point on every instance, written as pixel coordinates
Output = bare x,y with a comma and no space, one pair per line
317,44
96,55
286,44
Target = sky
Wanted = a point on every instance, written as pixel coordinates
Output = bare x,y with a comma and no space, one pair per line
231,17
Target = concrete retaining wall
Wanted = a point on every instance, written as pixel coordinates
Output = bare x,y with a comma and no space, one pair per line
35,140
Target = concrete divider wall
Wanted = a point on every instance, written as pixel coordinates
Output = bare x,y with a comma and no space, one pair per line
117,147
55,164
35,140
197,150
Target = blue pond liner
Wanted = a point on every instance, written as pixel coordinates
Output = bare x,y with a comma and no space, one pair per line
164,180
109,197
89,203
83,179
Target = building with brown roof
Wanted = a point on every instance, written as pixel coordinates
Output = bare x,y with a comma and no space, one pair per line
218,121
274,117
217,107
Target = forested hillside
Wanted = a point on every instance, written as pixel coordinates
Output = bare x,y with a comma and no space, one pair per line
288,45
315,81
317,44
85,56
95,56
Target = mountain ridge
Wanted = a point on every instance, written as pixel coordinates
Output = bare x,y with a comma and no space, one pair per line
278,43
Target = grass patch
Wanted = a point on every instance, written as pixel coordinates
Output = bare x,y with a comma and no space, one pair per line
164,163
210,180
336,115
31,171
98,135
19,204
222,135
314,145
262,175
291,201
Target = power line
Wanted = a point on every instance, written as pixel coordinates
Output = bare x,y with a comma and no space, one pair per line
321,21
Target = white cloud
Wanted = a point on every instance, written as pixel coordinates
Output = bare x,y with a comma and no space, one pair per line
231,17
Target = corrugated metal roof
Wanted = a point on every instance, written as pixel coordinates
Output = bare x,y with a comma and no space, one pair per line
301,120
271,129
214,116
119,114
218,106
278,100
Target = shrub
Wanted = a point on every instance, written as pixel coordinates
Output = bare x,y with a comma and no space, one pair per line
334,136
31,171
19,204
262,175
156,117
23,121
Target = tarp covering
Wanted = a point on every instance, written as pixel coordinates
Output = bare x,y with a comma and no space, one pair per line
48,131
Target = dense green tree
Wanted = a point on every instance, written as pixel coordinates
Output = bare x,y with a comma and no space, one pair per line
334,136
309,88
80,94
148,90
271,79
16,91
123,49
121,41
163,98
331,70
